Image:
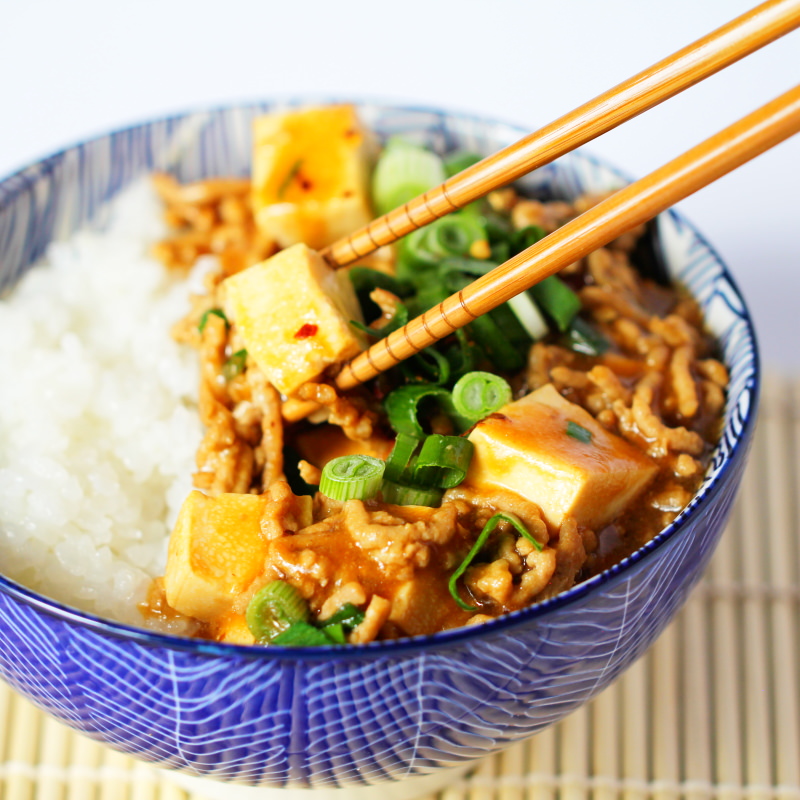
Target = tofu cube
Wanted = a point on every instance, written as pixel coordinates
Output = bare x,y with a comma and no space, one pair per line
525,448
215,552
293,313
232,629
311,175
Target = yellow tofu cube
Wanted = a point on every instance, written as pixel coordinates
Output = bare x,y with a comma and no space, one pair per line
232,629
525,447
215,552
311,175
293,313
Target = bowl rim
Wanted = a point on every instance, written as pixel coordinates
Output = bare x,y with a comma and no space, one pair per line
18,180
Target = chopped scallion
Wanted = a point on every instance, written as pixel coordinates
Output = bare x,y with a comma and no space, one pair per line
488,529
458,161
429,364
402,406
583,337
492,340
454,234
527,237
217,312
234,365
347,615
527,312
273,609
478,394
579,432
348,477
557,300
398,465
443,461
335,632
400,495
303,634
404,171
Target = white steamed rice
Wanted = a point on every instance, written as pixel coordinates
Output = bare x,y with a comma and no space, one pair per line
98,417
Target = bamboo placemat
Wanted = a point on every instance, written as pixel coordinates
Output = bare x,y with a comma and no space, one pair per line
712,712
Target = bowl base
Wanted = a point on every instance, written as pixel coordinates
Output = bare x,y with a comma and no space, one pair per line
406,789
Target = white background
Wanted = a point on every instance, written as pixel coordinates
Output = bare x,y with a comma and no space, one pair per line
74,68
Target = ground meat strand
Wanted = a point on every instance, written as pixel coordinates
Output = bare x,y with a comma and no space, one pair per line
349,413
269,451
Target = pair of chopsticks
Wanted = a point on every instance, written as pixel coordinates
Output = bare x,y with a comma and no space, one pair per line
627,208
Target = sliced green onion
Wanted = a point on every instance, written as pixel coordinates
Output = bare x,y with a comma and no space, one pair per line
579,432
506,320
290,176
527,237
335,632
274,608
458,161
234,365
399,319
479,394
398,465
415,259
454,234
348,615
348,477
365,280
462,357
501,251
557,300
492,340
443,461
303,634
583,337
400,495
402,406
488,529
529,316
428,364
498,228
217,312
469,266
404,171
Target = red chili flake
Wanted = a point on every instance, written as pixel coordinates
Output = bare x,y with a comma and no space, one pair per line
305,183
307,331
349,133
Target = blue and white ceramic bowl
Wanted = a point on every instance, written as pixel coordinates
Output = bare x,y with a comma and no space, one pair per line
387,712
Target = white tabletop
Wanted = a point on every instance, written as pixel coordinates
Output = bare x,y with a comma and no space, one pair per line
71,70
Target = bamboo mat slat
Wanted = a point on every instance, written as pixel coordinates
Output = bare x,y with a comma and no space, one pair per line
712,712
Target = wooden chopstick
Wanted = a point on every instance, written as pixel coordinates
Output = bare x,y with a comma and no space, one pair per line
627,208
686,67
